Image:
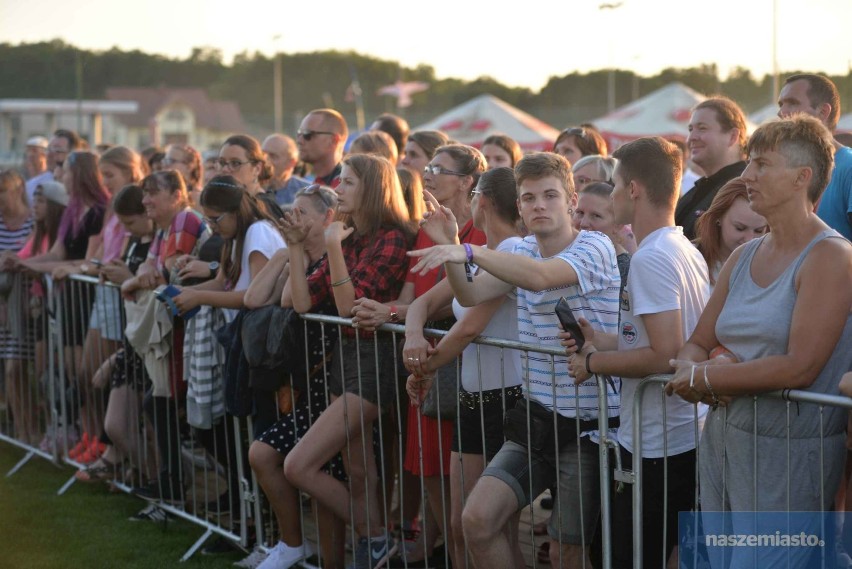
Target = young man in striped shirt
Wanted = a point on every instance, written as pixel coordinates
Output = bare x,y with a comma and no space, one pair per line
555,261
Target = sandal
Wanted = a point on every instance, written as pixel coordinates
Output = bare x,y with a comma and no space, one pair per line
99,471
543,553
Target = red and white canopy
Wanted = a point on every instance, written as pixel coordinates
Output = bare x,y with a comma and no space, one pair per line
665,112
472,122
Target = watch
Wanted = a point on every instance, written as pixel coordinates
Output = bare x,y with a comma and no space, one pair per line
214,268
393,317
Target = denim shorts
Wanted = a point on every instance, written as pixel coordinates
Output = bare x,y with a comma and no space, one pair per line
576,488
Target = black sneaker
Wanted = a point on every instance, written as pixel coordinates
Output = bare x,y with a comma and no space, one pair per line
150,513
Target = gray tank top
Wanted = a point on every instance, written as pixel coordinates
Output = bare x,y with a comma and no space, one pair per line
755,323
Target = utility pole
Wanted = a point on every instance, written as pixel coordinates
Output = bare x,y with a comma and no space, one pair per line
610,83
277,90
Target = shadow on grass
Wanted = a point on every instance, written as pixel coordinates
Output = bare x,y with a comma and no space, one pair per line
87,527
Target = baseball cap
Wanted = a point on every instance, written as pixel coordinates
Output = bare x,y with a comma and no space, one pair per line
38,142
54,191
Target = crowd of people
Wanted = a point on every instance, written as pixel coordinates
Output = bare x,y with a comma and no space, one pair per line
737,285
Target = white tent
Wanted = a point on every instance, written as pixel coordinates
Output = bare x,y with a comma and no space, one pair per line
764,114
472,122
845,123
665,112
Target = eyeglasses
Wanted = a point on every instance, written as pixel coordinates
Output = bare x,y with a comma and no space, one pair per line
214,220
435,170
309,134
171,161
233,165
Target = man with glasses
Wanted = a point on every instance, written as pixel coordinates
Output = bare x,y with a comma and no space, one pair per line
321,138
716,141
282,154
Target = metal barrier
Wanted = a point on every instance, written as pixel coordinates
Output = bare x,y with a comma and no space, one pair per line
202,474
26,379
792,399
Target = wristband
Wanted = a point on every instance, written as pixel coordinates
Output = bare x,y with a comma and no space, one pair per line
588,367
341,282
468,251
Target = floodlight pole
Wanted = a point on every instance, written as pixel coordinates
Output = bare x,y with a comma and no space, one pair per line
610,80
277,90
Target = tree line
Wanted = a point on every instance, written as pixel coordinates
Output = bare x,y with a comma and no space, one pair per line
57,70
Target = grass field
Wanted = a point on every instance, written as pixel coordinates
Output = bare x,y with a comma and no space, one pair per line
87,527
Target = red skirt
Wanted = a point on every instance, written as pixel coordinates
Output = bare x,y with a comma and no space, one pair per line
433,439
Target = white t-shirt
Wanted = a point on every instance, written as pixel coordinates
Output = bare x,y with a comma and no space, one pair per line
263,238
666,273
595,298
498,371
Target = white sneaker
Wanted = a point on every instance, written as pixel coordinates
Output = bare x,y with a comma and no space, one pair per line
255,558
282,556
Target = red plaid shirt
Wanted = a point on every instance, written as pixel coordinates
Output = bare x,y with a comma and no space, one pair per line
377,265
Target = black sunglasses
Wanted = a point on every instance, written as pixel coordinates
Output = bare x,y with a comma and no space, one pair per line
309,134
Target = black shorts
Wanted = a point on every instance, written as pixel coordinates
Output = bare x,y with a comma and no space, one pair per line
487,411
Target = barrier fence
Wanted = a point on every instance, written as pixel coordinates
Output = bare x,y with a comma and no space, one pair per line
161,421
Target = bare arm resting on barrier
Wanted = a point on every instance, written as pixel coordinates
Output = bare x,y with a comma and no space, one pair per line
266,287
665,338
503,271
846,384
370,314
214,292
817,322
423,365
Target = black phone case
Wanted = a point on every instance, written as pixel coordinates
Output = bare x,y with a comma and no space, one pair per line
569,323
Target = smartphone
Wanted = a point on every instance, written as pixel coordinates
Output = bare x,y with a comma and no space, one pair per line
569,323
167,294
96,262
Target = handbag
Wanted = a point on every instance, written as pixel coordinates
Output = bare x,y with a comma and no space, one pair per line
441,401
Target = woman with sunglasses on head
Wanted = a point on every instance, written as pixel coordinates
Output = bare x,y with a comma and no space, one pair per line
501,151
420,148
575,142
317,206
487,391
365,259
449,179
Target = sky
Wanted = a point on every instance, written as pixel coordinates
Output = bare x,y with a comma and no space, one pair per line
518,43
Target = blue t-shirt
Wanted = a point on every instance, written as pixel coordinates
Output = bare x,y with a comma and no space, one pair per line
836,203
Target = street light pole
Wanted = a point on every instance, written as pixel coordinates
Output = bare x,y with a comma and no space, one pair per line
610,83
277,91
